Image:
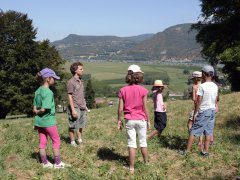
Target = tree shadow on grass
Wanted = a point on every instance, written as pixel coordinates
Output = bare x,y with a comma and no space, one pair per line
66,139
234,124
173,142
235,138
105,153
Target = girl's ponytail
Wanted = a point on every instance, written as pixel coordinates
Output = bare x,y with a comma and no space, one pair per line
129,77
39,78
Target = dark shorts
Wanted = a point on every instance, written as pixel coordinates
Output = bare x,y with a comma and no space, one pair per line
160,121
204,123
78,123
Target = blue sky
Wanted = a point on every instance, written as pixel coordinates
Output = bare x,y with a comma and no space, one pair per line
56,19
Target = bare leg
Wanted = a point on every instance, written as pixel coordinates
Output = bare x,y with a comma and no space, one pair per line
43,156
190,123
190,142
144,154
200,143
71,135
207,142
132,153
153,133
56,152
57,158
42,152
79,133
211,140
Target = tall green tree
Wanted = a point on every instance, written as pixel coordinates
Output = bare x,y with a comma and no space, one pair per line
21,57
219,35
90,94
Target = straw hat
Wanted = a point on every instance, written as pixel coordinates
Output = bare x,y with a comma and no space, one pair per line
158,83
196,74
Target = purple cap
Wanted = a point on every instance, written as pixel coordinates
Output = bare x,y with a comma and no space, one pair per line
46,72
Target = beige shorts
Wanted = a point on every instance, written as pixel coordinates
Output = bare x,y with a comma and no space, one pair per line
134,128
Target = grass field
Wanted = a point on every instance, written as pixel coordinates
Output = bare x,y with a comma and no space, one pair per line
104,154
114,73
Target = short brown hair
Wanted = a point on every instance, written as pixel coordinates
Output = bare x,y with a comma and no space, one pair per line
74,67
134,78
207,74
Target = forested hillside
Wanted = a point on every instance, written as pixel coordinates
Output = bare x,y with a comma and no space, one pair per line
177,42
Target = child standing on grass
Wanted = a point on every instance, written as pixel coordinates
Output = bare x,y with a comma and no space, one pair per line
197,78
133,102
77,109
160,116
45,119
204,112
216,81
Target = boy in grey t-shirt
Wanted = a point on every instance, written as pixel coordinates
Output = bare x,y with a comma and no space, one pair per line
204,112
77,105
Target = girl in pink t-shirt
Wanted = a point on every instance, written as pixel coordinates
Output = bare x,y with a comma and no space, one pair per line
160,116
133,102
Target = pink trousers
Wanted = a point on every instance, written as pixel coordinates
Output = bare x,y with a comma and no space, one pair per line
52,132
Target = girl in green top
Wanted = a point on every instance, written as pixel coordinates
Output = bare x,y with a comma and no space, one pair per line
45,120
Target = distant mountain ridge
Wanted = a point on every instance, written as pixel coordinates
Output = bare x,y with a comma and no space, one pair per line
176,42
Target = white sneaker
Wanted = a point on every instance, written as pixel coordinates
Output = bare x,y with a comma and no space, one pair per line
61,165
74,144
80,141
48,165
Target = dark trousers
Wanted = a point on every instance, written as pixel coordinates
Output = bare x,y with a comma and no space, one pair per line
160,121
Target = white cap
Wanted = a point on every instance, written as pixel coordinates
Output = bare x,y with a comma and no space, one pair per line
208,69
134,68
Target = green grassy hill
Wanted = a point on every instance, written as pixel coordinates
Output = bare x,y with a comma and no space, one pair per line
114,73
104,153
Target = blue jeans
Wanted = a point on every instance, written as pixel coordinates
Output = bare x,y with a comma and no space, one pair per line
204,123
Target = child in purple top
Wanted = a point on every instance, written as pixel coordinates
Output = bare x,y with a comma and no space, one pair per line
160,116
133,102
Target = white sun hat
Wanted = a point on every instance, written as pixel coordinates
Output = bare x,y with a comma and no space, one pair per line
134,68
